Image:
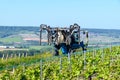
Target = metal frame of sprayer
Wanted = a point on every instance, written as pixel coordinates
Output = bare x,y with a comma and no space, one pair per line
56,35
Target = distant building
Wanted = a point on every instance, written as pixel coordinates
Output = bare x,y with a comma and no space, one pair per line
3,46
11,47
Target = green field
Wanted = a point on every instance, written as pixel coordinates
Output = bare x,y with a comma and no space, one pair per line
39,47
100,64
11,39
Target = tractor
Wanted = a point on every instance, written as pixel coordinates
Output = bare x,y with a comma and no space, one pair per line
66,39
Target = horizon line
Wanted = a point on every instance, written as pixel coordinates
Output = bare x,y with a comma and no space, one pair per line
82,28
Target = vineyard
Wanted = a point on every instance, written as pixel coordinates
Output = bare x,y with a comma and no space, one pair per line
98,64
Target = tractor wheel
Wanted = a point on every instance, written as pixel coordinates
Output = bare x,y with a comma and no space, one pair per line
56,53
56,50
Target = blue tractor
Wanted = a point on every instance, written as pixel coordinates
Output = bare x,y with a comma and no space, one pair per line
66,39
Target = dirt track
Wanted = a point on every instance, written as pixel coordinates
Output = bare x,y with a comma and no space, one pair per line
34,39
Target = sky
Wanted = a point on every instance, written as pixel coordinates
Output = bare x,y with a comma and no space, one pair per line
103,14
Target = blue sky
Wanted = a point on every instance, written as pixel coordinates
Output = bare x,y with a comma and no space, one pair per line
87,13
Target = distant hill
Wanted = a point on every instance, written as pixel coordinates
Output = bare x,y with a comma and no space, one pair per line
29,35
106,32
6,31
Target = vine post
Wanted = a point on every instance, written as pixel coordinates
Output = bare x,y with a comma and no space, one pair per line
23,67
110,47
69,61
26,54
19,55
11,55
3,56
102,54
84,53
41,63
60,63
22,54
13,70
6,56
